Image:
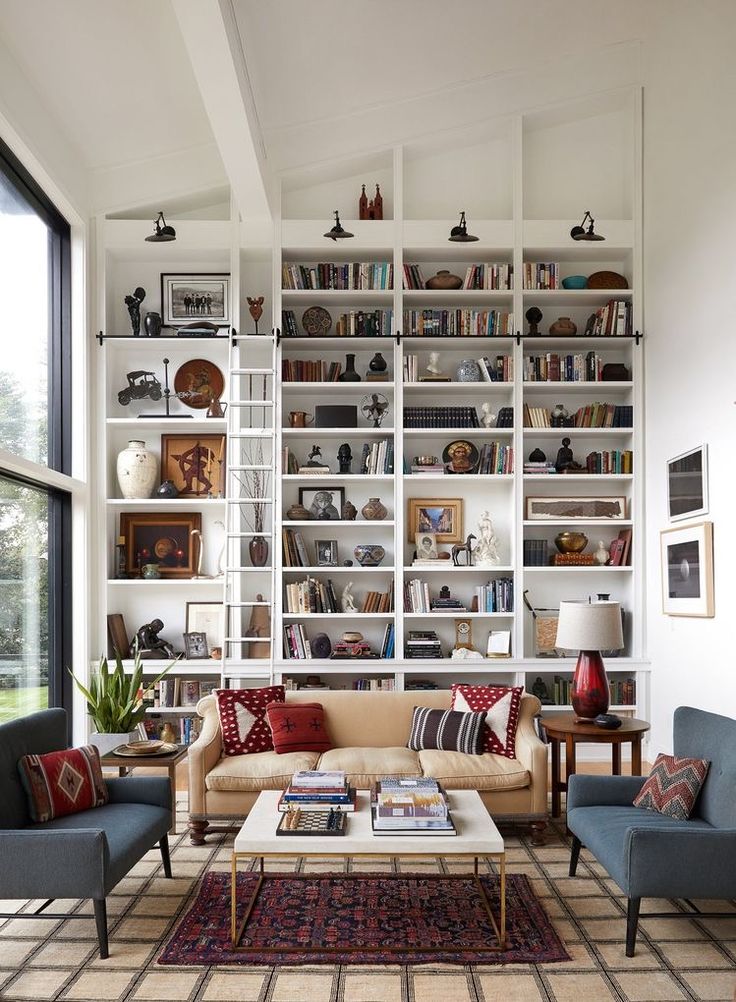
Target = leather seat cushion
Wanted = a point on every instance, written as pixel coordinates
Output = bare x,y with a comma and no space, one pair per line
366,765
259,771
458,771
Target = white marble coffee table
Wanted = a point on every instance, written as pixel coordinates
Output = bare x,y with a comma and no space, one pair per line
477,838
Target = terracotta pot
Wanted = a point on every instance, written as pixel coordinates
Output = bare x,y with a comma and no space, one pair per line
374,510
258,550
444,280
297,512
563,327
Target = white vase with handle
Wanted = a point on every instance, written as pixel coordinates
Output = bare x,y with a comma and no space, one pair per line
137,470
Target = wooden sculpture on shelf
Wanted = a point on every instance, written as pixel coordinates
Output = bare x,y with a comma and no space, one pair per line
255,308
259,626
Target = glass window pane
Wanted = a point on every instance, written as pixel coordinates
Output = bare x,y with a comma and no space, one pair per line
25,292
24,599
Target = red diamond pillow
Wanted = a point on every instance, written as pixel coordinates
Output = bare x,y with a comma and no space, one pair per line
501,704
673,786
242,714
298,727
63,782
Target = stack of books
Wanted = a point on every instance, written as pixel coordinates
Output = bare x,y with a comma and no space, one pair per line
423,644
410,807
316,790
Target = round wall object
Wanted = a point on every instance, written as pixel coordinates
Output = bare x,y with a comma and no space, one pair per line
321,646
198,382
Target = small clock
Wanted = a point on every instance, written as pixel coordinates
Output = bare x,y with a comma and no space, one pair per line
463,634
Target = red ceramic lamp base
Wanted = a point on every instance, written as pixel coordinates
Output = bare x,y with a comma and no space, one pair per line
589,687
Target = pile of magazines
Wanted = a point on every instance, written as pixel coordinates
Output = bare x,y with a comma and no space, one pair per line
318,790
410,807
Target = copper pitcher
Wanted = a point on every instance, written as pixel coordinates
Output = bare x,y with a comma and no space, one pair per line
300,419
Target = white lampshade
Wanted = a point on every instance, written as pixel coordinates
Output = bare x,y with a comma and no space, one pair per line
590,626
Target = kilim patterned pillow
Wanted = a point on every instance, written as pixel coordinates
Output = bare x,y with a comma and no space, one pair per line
298,727
242,714
63,782
447,730
673,786
501,704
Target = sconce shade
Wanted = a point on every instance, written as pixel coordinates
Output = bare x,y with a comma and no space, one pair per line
590,626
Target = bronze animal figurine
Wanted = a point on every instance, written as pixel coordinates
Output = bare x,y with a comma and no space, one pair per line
466,548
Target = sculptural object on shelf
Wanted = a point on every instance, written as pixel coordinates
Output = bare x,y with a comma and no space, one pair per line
221,556
344,458
487,418
347,599
565,458
534,316
255,308
374,406
259,626
539,689
466,548
486,548
433,366
150,644
196,534
133,302
314,455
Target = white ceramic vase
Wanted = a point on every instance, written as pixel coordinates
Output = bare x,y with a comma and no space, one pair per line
105,743
137,471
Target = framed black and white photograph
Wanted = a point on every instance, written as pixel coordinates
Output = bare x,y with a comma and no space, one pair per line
326,551
687,484
426,543
208,618
195,646
687,570
188,297
324,504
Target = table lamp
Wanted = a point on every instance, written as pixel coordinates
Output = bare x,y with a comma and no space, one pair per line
589,627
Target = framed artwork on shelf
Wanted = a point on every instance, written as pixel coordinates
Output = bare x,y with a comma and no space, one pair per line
194,463
687,570
441,517
118,634
326,552
499,644
163,539
687,484
321,504
426,543
207,618
195,646
187,297
540,509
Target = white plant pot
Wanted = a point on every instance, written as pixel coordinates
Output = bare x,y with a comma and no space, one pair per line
137,470
105,743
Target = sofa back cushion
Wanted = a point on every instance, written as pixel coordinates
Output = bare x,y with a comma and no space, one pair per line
62,782
699,734
242,714
37,733
446,730
298,727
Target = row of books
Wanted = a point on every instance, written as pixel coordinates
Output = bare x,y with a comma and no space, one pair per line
610,461
422,644
596,415
495,596
496,458
304,370
294,549
536,553
374,684
573,368
615,319
441,417
377,457
401,806
180,692
541,275
620,549
296,643
327,275
311,595
355,323
621,692
458,323
494,275
416,596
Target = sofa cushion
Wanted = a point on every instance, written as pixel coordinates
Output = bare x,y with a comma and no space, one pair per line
298,727
260,771
456,771
502,704
364,766
673,786
242,714
62,782
450,730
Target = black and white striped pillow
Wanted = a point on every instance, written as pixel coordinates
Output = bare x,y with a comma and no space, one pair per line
447,730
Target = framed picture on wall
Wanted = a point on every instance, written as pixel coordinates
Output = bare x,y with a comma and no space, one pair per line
687,484
187,297
687,570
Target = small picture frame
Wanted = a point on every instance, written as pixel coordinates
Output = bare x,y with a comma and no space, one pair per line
209,618
164,539
326,552
687,570
441,517
324,504
195,646
687,484
569,509
187,297
499,644
426,544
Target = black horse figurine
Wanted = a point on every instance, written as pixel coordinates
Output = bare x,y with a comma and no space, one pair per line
465,548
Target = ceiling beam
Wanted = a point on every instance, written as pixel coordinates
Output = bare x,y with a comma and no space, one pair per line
215,52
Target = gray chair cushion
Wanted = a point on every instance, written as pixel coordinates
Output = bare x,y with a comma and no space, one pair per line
36,734
698,734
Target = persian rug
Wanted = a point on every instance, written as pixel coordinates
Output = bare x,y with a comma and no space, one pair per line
440,919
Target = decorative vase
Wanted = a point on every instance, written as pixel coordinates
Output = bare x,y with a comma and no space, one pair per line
152,323
350,375
563,327
601,555
258,550
377,363
150,572
168,733
298,513
443,281
374,510
369,554
468,371
571,542
137,469
167,489
590,694
105,743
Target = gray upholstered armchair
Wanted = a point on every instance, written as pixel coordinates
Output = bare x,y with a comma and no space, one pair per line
653,856
80,855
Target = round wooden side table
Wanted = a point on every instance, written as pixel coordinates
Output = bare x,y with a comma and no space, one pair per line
562,728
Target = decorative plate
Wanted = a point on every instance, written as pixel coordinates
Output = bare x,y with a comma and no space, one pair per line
607,280
165,749
198,382
316,321
460,456
145,747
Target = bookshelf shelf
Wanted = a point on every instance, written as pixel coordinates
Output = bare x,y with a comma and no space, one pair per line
337,615
577,477
318,433
458,432
319,389
581,386
341,523
576,432
469,477
458,614
614,523
338,570
347,478
448,568
585,570
461,389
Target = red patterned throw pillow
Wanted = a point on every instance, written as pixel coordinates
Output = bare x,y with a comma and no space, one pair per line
298,727
63,782
242,714
501,704
673,786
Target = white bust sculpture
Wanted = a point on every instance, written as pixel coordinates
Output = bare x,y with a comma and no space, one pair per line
488,418
485,552
433,365
347,600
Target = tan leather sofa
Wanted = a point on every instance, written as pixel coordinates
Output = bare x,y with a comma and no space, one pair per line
369,731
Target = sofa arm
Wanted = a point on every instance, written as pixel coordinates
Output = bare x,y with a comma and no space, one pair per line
532,752
152,790
53,863
204,754
602,791
681,860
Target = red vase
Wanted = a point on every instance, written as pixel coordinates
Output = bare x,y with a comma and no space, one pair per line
590,694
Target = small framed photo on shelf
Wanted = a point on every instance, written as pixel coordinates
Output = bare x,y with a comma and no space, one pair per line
189,692
440,517
540,509
195,646
194,463
687,484
326,552
208,618
499,644
426,543
187,297
321,503
163,539
687,570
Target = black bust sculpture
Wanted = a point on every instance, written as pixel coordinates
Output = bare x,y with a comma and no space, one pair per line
150,644
533,315
344,457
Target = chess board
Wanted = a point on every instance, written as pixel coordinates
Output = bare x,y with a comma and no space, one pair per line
314,823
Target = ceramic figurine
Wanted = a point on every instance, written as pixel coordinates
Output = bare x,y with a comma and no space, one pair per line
601,555
347,600
485,553
433,365
133,302
487,418
565,458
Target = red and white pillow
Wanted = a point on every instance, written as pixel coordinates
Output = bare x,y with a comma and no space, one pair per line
242,714
501,704
63,782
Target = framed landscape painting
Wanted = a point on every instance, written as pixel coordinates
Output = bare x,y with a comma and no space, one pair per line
687,484
687,570
441,517
186,298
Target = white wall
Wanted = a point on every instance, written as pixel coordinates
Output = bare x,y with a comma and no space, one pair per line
689,216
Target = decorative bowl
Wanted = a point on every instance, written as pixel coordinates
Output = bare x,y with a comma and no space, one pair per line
575,282
571,542
369,554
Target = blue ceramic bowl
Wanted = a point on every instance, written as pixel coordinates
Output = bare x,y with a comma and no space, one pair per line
575,282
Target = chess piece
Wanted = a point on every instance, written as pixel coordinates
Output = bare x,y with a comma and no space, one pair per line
347,599
565,458
150,644
487,418
533,315
344,458
485,553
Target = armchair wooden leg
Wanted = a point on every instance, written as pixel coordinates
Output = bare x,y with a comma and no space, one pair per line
632,922
101,922
574,855
165,857
197,831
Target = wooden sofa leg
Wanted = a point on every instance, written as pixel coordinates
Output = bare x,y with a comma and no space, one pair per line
101,922
538,829
574,855
632,922
165,856
197,831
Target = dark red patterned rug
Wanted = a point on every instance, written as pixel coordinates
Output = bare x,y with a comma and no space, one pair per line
439,919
